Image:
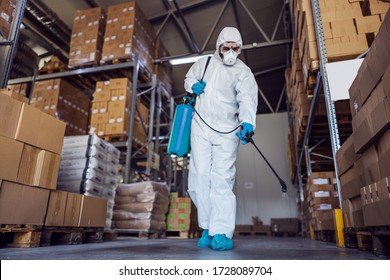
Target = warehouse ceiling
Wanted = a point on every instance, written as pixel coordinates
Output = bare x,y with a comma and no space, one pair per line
191,27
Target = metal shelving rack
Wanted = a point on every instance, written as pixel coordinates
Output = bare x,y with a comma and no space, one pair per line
321,85
8,45
152,89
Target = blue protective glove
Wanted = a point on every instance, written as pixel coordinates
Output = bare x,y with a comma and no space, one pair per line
246,128
198,87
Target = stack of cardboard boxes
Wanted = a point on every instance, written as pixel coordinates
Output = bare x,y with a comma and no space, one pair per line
364,158
89,166
128,32
31,144
285,226
30,148
321,197
349,28
63,101
7,12
141,207
110,111
179,215
87,37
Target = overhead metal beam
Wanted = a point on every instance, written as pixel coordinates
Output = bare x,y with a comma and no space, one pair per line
215,25
83,71
246,47
254,21
184,8
278,22
266,100
189,32
269,70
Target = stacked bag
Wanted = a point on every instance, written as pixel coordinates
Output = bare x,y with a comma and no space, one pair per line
141,206
90,166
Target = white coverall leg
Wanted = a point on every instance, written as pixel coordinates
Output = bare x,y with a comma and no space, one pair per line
212,175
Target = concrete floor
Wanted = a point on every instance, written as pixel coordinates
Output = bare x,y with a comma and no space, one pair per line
246,247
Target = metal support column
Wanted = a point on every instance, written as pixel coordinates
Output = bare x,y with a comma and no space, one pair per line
158,118
331,112
129,144
171,113
151,122
7,50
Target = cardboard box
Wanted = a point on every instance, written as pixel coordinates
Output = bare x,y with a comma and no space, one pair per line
371,165
10,156
21,204
55,214
377,213
352,181
39,129
14,95
85,211
346,155
38,168
9,115
101,118
384,188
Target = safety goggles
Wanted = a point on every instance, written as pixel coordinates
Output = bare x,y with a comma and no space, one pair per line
227,47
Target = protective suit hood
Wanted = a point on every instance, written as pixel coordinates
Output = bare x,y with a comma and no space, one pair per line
229,34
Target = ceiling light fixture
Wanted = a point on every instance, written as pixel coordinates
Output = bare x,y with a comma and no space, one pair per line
188,59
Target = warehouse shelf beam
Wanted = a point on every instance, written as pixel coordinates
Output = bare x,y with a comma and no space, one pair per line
84,71
7,51
331,112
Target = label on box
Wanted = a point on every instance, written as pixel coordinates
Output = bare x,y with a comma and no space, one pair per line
124,10
107,39
121,46
5,16
87,41
91,56
116,19
123,27
103,110
322,194
121,97
114,98
109,21
119,120
111,121
46,108
111,56
127,51
90,23
83,17
95,111
320,181
323,207
52,107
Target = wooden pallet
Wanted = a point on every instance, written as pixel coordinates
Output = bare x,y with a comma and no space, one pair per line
325,235
84,65
285,234
141,234
251,233
70,236
144,73
19,236
182,234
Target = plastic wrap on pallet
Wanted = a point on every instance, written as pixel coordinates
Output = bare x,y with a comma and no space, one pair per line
85,140
141,206
83,152
90,162
87,187
139,224
81,174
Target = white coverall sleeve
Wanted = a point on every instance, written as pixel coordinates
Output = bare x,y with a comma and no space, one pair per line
193,75
247,98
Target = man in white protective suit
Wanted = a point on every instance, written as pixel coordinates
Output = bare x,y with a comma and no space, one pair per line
226,98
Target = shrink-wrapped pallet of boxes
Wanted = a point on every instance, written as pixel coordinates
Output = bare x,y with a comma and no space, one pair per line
141,207
321,198
128,32
179,215
63,101
87,37
110,111
89,166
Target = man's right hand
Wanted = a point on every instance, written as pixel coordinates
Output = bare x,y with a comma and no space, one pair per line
198,87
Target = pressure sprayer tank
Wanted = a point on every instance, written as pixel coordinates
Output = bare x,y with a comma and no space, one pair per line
179,140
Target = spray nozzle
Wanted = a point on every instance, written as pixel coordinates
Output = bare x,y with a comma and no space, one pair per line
248,137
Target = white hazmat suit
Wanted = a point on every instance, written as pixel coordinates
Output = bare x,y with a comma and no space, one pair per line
229,99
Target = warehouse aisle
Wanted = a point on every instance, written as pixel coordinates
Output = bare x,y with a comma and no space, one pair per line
246,248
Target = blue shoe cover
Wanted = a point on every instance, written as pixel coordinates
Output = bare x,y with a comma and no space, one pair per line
221,243
205,240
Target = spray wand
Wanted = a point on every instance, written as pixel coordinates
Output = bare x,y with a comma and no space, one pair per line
248,138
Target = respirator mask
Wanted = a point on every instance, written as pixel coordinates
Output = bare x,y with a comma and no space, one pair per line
229,53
